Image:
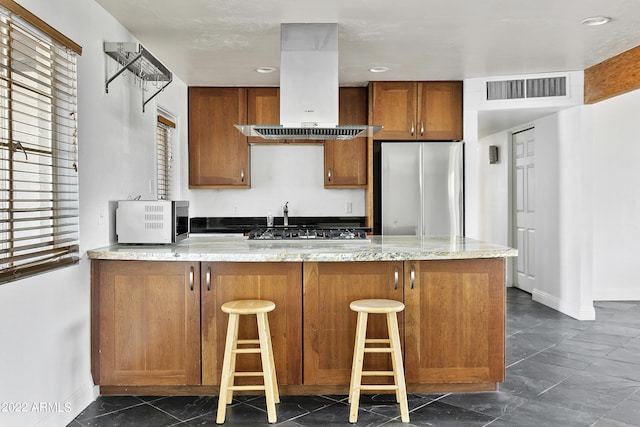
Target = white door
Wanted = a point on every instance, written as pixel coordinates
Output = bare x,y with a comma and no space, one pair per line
524,208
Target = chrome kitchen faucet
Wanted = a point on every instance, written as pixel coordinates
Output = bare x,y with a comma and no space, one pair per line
285,210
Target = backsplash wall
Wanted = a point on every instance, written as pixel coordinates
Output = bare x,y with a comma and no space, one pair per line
279,174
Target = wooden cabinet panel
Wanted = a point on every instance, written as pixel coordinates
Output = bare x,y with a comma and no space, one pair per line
218,152
455,321
149,323
394,107
263,108
425,111
277,282
345,162
330,324
440,111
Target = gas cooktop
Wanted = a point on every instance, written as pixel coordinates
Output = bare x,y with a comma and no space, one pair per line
305,233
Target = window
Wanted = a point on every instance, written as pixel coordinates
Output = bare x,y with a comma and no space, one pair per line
38,151
164,152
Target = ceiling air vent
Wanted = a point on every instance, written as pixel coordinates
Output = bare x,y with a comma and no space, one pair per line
527,88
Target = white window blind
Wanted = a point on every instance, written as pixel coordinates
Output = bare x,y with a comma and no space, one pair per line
164,153
38,151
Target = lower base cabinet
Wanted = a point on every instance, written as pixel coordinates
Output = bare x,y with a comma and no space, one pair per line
455,321
160,323
277,282
329,323
146,323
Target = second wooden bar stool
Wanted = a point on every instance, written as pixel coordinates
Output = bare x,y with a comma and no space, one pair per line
270,386
390,308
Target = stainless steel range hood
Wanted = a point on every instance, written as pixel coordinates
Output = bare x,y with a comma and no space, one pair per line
308,88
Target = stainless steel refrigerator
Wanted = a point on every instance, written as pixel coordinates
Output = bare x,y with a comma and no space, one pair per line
419,188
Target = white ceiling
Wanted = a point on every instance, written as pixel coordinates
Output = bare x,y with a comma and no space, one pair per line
222,42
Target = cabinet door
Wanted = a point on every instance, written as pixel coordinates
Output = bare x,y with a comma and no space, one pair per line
149,323
218,152
440,111
455,328
329,323
345,162
394,107
263,108
277,282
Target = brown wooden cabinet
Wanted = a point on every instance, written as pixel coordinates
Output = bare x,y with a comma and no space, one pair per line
430,110
263,108
218,152
455,321
159,324
453,325
148,323
277,282
345,162
330,324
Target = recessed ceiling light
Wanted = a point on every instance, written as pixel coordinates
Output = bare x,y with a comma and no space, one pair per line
595,20
378,69
265,70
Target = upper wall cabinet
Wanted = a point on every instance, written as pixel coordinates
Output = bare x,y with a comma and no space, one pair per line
263,108
218,152
426,111
345,162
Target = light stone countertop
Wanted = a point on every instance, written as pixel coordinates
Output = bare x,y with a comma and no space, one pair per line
234,248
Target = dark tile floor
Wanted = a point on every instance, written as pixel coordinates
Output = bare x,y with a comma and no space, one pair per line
560,372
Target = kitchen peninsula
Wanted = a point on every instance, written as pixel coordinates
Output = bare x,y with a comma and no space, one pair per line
157,326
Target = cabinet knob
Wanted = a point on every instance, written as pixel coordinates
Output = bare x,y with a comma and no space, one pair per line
329,174
242,175
422,128
191,277
207,277
395,277
413,128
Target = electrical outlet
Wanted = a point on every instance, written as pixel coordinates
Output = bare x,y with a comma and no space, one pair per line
234,209
348,207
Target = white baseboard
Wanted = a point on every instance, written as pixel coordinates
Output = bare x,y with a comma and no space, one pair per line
566,307
63,413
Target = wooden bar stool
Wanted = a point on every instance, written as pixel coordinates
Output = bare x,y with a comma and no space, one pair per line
270,385
365,307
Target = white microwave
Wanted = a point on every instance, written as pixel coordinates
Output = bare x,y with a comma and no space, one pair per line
152,221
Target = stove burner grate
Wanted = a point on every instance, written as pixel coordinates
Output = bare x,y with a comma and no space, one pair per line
295,233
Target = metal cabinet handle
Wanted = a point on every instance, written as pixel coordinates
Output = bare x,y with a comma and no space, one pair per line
207,278
242,175
395,278
422,128
191,277
329,175
413,275
413,128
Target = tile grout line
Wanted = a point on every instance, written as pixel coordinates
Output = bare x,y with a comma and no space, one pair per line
530,356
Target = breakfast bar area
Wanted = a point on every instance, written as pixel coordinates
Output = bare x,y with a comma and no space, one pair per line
157,326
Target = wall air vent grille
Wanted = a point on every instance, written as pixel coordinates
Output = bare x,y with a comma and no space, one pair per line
527,88
505,89
551,86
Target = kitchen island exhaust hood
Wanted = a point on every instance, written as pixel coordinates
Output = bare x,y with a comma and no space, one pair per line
308,88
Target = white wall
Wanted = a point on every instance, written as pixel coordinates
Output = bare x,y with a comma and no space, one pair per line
616,208
588,202
563,198
279,173
45,333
